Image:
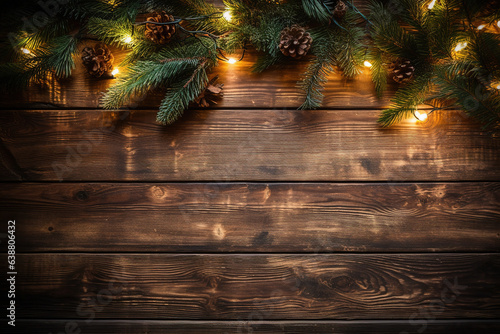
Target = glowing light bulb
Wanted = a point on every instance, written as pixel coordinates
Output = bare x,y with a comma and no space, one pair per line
367,63
227,15
25,51
420,117
431,5
231,60
498,24
498,86
127,40
481,27
115,72
460,46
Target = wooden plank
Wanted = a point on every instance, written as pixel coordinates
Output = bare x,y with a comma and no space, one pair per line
228,217
275,88
244,145
216,287
261,327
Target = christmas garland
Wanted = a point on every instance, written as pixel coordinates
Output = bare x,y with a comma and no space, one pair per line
440,53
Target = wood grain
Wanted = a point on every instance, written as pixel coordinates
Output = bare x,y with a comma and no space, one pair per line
249,287
243,145
228,217
259,326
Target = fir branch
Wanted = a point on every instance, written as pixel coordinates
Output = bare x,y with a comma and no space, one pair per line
265,61
111,32
180,95
406,100
147,75
389,36
467,91
314,79
350,51
53,29
378,71
317,10
55,58
83,9
141,50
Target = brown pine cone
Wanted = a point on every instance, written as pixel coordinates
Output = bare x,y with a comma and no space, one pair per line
340,10
295,41
402,71
160,34
97,60
210,94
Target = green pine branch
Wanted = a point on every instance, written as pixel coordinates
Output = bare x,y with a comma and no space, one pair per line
313,83
350,50
317,10
406,100
378,71
112,32
180,94
146,75
55,58
469,93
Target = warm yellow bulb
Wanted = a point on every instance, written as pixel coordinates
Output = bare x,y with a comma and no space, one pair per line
498,86
498,24
367,63
25,51
481,27
231,60
431,5
128,39
460,46
115,72
227,15
420,116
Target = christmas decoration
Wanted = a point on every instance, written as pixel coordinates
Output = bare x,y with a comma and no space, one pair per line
295,41
402,71
446,51
210,94
98,60
160,34
443,60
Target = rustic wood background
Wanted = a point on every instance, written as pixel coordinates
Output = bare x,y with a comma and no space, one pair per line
248,217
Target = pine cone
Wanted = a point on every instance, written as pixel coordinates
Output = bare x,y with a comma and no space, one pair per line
402,71
295,41
97,60
340,10
210,94
160,34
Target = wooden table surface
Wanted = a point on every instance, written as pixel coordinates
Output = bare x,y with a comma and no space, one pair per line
250,216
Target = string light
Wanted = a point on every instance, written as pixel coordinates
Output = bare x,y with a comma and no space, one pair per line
25,51
481,27
231,61
498,24
127,40
460,46
498,87
420,116
367,63
227,15
115,72
431,5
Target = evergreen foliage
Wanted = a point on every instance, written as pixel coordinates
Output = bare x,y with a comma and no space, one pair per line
336,44
445,76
